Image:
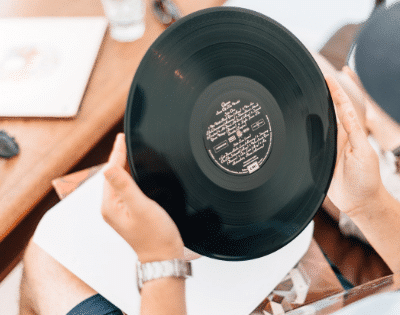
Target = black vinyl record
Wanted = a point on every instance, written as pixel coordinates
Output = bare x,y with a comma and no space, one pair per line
231,128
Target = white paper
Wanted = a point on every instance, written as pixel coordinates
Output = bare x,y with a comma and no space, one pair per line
312,22
75,234
46,62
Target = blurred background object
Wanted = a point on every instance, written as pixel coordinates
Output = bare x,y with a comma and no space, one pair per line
166,11
126,18
8,145
377,58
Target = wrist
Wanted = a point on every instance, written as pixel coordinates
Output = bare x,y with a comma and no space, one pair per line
372,205
176,268
166,253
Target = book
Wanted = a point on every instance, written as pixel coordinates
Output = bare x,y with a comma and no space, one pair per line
45,64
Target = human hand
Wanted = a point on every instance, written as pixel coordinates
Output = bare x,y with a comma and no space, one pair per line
356,179
143,223
352,89
381,125
370,105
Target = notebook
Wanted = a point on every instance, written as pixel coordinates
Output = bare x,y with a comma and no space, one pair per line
45,64
75,234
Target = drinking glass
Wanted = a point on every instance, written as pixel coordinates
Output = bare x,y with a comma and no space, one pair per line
126,18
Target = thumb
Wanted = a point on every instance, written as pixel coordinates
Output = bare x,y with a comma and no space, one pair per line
116,177
119,179
123,184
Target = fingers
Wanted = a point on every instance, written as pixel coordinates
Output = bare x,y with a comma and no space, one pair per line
347,115
118,153
339,97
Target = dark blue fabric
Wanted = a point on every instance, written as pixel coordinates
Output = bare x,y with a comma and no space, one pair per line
346,284
95,305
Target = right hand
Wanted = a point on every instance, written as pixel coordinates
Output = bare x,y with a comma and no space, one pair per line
356,179
381,125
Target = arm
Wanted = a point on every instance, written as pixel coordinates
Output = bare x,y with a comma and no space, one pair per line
148,229
357,189
379,220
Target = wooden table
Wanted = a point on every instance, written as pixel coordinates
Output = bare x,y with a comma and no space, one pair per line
51,147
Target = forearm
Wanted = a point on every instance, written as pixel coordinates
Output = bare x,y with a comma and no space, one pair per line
379,221
163,296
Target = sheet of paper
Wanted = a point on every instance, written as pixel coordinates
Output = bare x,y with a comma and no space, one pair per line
75,234
313,22
46,62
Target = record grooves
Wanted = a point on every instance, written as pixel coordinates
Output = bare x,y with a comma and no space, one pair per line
231,128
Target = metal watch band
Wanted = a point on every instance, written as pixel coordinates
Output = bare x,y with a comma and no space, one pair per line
160,269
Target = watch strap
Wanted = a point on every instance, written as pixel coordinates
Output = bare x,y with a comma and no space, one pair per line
159,269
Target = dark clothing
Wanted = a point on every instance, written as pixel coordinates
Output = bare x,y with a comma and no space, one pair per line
95,305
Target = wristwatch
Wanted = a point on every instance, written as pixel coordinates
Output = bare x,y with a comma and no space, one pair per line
159,269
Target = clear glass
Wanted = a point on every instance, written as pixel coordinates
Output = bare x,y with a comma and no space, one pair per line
126,18
338,302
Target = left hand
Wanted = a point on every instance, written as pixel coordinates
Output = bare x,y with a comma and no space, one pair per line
142,222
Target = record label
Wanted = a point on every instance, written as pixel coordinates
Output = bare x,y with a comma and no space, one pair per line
238,137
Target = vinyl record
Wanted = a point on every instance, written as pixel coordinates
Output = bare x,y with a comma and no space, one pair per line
231,128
